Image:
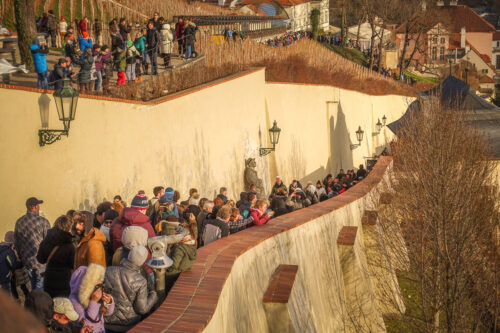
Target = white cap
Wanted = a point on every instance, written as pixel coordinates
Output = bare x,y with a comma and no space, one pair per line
65,307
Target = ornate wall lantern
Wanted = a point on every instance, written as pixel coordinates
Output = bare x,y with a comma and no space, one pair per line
66,101
378,126
359,136
274,135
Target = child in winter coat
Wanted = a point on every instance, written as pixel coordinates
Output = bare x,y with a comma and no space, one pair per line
88,297
130,291
166,44
38,53
140,45
121,64
132,55
85,43
84,76
106,64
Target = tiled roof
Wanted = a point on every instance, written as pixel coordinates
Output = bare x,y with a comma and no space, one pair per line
459,16
486,79
284,3
256,10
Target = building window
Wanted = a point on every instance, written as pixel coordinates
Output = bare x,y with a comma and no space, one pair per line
498,61
498,44
434,53
441,53
434,40
442,40
485,71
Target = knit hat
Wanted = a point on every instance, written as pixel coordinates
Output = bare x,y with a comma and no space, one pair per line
110,214
129,43
85,34
138,255
133,236
168,196
140,201
9,237
65,307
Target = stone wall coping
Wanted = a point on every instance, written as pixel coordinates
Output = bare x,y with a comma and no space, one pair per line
151,102
281,284
347,235
193,299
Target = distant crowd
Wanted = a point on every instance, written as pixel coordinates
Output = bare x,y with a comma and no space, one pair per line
131,53
94,272
288,38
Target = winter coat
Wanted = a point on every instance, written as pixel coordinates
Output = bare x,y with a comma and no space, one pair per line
140,44
166,39
132,54
189,33
83,25
121,61
41,305
83,282
86,66
183,256
39,60
58,270
91,249
131,295
56,77
124,30
116,42
106,64
258,217
152,39
69,50
167,197
277,187
51,22
128,216
8,263
214,229
179,30
84,44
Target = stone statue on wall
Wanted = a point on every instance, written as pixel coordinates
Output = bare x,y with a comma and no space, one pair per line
251,177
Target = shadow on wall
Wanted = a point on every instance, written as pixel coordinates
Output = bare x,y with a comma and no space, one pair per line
44,106
341,154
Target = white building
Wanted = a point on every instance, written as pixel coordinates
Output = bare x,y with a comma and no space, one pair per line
365,35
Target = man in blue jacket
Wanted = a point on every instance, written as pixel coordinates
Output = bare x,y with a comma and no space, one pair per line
38,53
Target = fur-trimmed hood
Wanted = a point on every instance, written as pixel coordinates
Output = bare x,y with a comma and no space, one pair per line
83,282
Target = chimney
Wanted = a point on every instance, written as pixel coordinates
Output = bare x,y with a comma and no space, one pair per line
462,38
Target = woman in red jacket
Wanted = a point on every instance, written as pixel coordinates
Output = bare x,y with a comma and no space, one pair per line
258,213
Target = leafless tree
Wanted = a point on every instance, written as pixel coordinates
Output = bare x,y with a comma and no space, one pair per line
26,29
446,205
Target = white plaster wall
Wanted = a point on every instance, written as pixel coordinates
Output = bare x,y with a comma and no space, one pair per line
200,139
317,302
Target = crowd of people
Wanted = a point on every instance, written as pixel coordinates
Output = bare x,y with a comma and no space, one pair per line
132,51
288,38
92,272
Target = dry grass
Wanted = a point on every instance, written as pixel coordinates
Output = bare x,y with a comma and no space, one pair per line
304,62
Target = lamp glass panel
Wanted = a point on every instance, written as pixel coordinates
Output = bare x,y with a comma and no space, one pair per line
379,126
59,106
277,137
359,134
67,101
73,109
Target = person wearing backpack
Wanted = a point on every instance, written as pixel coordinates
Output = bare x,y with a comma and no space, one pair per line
132,55
58,254
218,227
58,74
9,262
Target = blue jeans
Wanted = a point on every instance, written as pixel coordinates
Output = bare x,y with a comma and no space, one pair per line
43,80
36,279
188,51
98,81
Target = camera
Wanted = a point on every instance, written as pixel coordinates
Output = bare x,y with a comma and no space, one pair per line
106,290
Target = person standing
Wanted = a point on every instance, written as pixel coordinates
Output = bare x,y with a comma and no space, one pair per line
84,25
63,26
52,27
29,232
179,31
152,43
39,53
166,44
58,254
132,55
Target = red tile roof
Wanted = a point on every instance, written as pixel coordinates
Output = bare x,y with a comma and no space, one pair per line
458,16
486,79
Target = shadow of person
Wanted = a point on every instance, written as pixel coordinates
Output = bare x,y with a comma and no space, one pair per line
44,106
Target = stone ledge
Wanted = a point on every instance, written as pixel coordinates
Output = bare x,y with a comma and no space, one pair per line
187,311
280,288
347,236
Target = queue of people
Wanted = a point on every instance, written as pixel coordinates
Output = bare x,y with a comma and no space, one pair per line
132,52
93,272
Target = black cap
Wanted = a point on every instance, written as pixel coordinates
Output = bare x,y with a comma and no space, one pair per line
31,202
110,214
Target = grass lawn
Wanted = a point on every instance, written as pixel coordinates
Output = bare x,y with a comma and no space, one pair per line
423,79
351,54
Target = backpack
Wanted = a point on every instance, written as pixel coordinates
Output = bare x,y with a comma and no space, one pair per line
211,233
161,212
